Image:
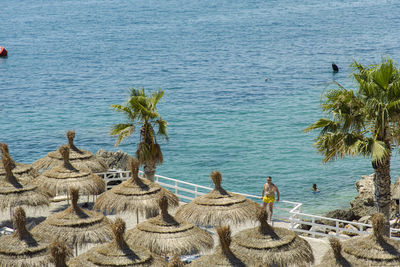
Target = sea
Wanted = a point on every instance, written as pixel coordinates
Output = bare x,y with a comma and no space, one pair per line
242,80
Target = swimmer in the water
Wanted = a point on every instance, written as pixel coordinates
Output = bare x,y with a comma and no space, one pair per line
314,188
335,68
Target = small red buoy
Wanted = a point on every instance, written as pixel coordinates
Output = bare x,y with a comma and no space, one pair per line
3,52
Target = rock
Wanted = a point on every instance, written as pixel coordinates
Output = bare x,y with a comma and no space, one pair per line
350,227
305,226
395,188
365,187
319,229
115,160
365,219
363,204
341,214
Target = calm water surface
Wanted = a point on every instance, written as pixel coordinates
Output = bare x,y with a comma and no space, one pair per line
70,60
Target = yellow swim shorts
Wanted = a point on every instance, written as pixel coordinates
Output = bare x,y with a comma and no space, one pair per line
267,199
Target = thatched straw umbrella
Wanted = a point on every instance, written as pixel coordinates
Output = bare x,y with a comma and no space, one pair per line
23,248
14,193
334,256
219,207
117,253
60,253
79,158
223,255
136,195
64,176
273,246
166,235
76,226
176,262
21,171
371,250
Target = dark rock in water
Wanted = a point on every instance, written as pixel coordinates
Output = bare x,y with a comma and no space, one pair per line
115,160
335,68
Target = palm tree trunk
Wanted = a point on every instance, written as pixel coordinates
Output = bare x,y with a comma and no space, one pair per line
382,183
149,171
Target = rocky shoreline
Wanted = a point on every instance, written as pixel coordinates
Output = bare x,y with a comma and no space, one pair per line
363,206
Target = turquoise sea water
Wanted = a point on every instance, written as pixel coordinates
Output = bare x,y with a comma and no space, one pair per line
69,60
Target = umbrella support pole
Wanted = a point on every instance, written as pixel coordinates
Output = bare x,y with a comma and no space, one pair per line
137,218
11,217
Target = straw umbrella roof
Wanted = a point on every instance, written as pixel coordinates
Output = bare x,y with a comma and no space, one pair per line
219,207
223,255
64,176
76,226
117,253
273,245
80,158
60,253
136,195
20,170
370,250
176,262
15,193
166,235
23,248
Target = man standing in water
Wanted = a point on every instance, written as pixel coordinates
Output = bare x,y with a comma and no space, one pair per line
268,195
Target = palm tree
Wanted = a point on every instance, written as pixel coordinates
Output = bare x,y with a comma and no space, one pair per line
365,122
141,110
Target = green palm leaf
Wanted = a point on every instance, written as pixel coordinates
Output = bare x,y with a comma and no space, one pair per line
141,110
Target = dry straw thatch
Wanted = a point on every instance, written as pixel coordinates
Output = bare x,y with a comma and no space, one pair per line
23,248
64,176
372,250
219,207
14,193
166,235
79,158
76,226
273,246
60,253
176,262
223,255
117,253
23,172
136,195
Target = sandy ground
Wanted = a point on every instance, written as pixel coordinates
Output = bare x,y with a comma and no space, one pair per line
35,216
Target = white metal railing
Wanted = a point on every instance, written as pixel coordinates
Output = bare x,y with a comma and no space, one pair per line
287,211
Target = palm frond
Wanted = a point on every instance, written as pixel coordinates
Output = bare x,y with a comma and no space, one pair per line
156,96
126,110
327,125
149,154
136,92
123,130
382,75
162,128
